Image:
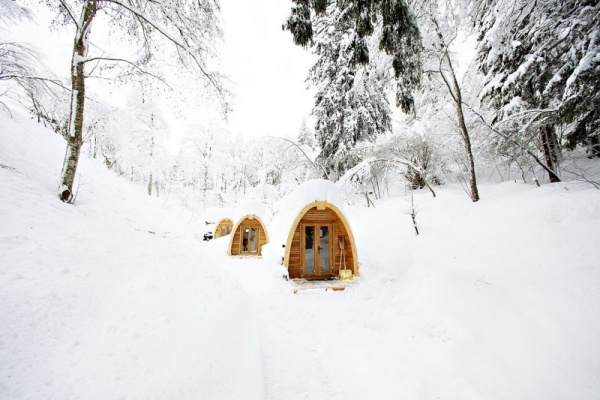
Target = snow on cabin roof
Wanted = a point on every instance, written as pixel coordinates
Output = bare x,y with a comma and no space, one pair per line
215,215
287,209
251,207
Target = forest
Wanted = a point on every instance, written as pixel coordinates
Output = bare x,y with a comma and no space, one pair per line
423,93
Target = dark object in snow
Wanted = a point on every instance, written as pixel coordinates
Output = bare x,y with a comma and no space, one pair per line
208,236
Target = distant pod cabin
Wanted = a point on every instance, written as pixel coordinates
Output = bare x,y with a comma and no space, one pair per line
223,228
320,243
249,235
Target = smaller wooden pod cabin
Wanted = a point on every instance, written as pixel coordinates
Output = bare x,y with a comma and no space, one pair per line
223,228
248,236
311,235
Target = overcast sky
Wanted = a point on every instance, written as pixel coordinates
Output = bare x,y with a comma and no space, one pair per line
266,69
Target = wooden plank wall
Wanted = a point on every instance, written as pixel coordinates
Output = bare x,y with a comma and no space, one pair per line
327,216
237,235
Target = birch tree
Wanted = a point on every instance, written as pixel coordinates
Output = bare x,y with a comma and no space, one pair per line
189,28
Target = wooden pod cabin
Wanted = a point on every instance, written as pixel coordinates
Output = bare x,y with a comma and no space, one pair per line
223,228
249,235
320,242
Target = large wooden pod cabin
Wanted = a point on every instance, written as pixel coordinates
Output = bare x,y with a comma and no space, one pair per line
223,228
320,243
311,234
249,234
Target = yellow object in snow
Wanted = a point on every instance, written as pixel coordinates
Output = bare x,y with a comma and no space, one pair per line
346,275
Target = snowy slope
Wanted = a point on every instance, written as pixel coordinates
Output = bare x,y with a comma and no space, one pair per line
110,298
494,300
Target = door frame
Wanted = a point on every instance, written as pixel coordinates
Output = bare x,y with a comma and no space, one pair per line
249,227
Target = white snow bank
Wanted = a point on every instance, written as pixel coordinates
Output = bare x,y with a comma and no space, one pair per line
109,298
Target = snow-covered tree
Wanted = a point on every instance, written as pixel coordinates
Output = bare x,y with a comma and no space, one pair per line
441,22
24,77
147,137
541,61
306,137
399,35
351,102
188,28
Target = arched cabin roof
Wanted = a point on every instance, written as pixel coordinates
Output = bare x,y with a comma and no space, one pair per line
290,209
220,222
250,209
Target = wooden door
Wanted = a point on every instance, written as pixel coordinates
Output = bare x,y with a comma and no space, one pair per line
317,250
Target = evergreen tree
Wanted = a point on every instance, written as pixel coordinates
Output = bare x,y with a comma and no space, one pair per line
351,101
399,36
305,136
541,61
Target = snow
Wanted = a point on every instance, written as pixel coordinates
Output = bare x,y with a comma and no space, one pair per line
115,297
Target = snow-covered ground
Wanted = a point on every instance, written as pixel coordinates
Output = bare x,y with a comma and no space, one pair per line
119,298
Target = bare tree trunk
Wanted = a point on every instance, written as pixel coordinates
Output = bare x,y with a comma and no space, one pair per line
95,155
456,95
550,147
151,163
150,185
75,128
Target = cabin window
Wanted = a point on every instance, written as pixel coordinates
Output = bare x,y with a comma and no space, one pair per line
253,239
223,231
309,249
245,233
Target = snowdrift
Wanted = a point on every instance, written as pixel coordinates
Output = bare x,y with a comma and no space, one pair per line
112,297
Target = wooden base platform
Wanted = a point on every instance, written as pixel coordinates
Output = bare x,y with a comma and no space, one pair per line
335,285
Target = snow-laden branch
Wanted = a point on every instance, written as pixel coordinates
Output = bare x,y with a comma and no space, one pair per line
513,141
405,162
70,13
122,60
314,163
165,33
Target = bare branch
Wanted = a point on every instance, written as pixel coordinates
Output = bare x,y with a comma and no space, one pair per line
315,164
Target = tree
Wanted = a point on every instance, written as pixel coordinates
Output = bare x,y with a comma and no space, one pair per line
148,135
399,36
305,136
351,102
541,62
442,21
189,27
20,64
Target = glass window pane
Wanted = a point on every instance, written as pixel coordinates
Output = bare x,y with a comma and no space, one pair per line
309,249
324,249
245,240
253,239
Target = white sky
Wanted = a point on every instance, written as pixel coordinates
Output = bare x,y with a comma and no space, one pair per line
267,71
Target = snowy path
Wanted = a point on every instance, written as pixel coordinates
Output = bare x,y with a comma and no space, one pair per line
332,345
